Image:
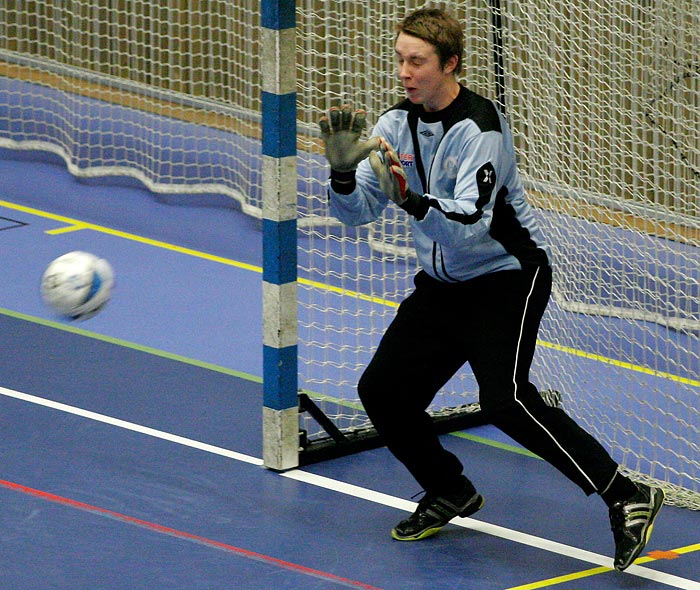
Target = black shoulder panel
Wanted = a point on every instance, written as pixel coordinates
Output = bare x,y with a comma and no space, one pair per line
403,105
470,105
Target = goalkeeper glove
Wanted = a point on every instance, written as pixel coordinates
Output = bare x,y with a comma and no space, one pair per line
341,130
390,173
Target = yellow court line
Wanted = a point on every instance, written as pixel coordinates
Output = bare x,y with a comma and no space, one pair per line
597,570
621,364
66,229
561,579
77,225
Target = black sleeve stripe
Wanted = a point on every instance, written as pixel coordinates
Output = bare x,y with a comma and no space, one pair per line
463,218
486,182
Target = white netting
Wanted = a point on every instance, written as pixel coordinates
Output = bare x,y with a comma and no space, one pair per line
603,98
161,93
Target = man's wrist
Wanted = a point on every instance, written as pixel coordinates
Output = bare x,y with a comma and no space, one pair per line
343,182
415,204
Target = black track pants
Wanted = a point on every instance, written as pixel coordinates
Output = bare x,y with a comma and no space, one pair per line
491,322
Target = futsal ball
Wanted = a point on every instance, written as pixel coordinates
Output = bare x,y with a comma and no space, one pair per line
77,285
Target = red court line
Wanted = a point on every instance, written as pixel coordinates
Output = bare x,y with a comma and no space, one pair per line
273,561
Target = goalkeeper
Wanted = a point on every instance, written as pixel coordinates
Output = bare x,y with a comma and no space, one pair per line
445,156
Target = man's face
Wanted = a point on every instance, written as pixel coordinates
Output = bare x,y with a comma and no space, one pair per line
424,80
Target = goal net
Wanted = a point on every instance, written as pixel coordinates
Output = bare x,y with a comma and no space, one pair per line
604,101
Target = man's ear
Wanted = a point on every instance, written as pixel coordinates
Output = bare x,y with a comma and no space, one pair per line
451,64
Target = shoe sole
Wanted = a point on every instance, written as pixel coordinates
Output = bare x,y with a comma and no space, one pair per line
658,504
425,533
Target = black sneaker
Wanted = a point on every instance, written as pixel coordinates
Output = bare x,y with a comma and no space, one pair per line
632,522
434,512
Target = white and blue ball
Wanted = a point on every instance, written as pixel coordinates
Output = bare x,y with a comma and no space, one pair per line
77,285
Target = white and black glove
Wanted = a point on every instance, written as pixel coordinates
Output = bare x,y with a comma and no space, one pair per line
341,130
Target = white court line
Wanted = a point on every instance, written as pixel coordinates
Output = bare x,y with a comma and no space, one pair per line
181,440
364,493
493,530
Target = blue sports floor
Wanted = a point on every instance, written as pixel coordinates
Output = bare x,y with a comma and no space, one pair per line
131,442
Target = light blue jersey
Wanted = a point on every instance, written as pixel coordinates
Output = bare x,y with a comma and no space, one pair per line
472,217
